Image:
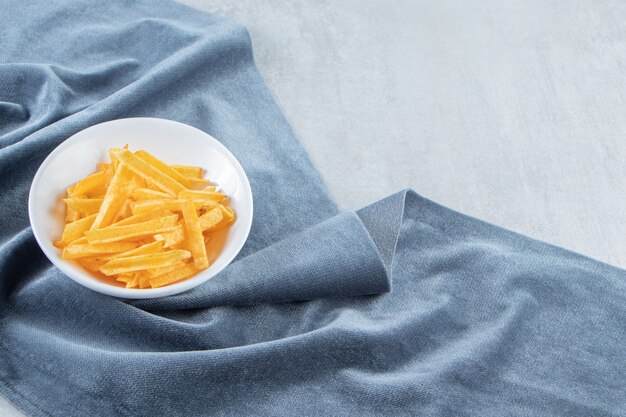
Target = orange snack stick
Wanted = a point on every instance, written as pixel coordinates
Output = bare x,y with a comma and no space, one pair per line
188,170
202,195
132,231
119,190
87,249
149,172
85,185
164,168
75,230
179,274
143,262
149,194
210,219
85,206
139,207
194,239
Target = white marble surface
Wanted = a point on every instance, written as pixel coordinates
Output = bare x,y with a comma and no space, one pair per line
512,111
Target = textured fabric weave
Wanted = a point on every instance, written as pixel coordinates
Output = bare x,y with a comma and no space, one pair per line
402,308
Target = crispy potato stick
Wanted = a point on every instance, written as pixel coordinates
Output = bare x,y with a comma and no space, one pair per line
198,183
155,272
87,184
97,192
141,221
142,262
80,241
210,219
102,166
164,168
189,171
144,280
139,207
143,217
132,231
125,211
113,156
86,206
175,238
119,190
201,195
75,230
91,264
124,278
84,250
173,276
229,213
71,215
194,240
134,281
148,194
149,172
144,249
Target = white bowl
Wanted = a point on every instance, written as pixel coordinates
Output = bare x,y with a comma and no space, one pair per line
174,143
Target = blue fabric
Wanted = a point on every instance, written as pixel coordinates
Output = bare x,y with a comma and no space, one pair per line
479,321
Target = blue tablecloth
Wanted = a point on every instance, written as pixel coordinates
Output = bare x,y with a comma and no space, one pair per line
402,308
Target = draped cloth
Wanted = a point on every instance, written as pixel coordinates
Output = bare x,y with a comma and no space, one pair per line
404,307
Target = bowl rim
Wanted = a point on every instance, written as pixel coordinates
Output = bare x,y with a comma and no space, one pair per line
132,293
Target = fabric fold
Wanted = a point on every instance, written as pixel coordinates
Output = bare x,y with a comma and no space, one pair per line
336,258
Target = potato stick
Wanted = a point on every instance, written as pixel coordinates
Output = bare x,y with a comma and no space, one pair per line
229,213
141,262
87,249
143,217
155,272
206,239
76,229
102,166
139,207
124,278
194,239
148,194
133,282
71,215
91,264
86,206
144,249
132,231
89,183
119,190
210,219
113,156
109,173
97,192
164,168
80,241
201,195
189,171
144,280
176,275
125,211
175,238
149,172
198,183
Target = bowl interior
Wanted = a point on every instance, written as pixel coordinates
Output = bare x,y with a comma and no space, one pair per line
174,143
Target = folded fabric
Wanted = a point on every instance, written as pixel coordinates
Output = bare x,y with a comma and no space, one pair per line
402,308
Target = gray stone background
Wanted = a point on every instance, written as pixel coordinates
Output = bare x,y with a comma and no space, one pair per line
511,111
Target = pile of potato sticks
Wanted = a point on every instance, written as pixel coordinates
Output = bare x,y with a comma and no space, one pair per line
141,221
